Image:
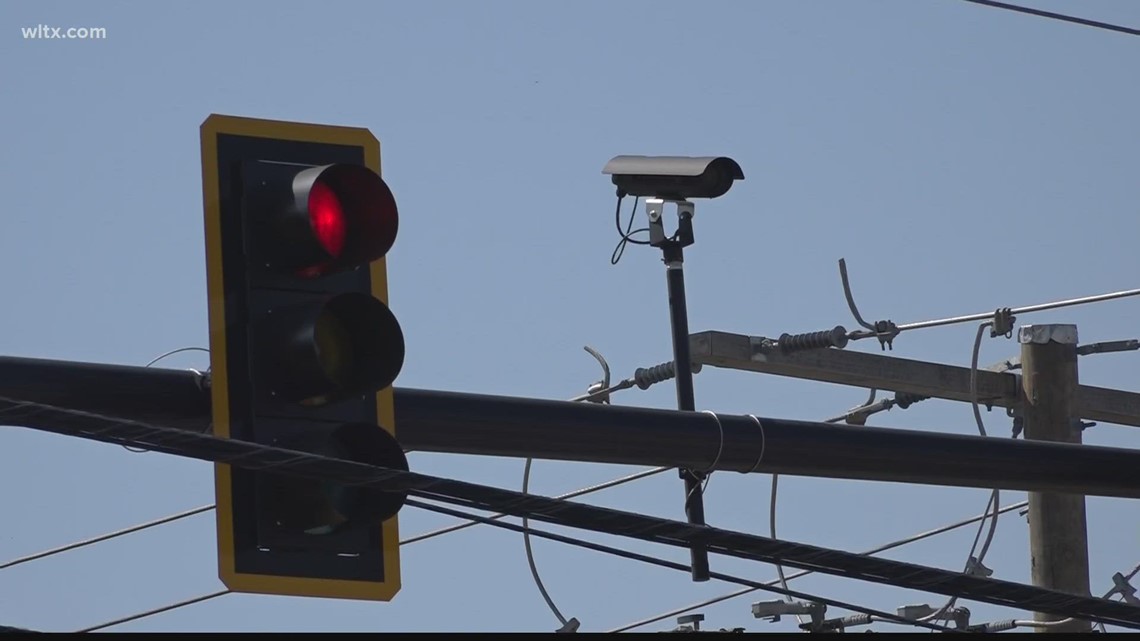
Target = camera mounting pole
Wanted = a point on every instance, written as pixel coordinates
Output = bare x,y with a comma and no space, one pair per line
672,249
676,179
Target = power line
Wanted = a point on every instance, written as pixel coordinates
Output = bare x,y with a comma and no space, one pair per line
205,508
882,548
414,539
165,608
569,495
598,547
106,537
561,512
981,316
474,519
469,522
1057,16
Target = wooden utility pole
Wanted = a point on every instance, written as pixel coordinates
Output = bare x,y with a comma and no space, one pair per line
1058,537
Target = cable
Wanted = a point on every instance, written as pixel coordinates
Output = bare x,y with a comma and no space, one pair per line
856,335
154,360
995,497
597,547
763,444
680,534
413,539
408,541
165,608
1009,624
882,548
627,235
530,553
1058,16
1134,572
772,531
776,477
605,385
106,537
720,451
569,495
176,351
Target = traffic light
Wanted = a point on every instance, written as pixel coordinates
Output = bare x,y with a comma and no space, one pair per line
303,352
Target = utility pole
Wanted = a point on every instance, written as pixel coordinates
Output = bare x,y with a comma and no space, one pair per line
1058,537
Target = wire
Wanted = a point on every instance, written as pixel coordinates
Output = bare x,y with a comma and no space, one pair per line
134,450
530,553
176,351
795,575
528,466
856,335
680,534
569,495
408,541
107,537
1057,16
165,608
704,485
1133,573
627,235
598,547
776,477
998,626
414,539
995,497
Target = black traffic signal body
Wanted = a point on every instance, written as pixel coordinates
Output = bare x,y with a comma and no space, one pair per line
303,352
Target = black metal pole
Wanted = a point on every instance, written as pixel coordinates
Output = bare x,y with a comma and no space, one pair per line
459,423
686,402
171,397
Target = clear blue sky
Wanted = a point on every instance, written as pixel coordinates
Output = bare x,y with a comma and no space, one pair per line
961,158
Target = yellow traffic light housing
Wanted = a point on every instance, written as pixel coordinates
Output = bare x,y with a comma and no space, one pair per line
303,352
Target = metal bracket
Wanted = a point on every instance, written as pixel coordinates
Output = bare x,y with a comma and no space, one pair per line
655,210
1106,347
1122,587
974,567
1002,323
571,626
1018,417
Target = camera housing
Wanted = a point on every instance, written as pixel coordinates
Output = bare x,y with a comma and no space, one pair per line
673,177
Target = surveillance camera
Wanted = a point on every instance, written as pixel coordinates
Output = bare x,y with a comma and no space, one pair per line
673,177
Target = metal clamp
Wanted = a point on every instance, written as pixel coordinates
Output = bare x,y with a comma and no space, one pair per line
1002,324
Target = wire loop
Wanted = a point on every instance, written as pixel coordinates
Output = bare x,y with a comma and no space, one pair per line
763,445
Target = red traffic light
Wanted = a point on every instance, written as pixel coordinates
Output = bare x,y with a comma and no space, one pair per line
321,220
327,218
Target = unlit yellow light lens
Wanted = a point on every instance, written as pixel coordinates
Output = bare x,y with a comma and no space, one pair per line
334,348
